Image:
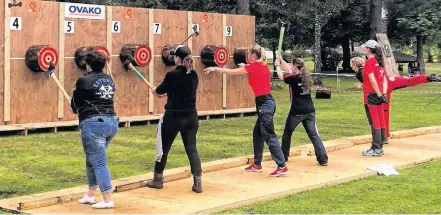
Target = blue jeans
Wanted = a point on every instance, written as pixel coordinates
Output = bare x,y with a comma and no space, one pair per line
264,132
308,121
96,134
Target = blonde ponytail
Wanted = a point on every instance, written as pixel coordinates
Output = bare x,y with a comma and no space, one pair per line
259,51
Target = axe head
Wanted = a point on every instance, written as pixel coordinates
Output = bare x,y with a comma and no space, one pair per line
196,33
50,70
129,60
280,23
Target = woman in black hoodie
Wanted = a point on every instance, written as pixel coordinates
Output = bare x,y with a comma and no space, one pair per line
180,115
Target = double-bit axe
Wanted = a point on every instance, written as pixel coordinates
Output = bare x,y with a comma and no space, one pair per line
283,27
14,4
50,73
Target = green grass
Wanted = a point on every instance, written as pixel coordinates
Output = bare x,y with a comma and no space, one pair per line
414,191
46,162
433,68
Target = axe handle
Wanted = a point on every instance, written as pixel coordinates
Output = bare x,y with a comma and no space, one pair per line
61,88
140,76
187,38
282,33
110,73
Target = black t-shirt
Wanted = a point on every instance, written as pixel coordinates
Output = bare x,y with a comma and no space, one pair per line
180,88
93,96
301,101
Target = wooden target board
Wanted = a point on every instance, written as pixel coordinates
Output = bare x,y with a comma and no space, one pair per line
33,97
2,64
131,96
388,56
239,93
210,86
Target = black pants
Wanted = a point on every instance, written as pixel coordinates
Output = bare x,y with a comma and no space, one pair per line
187,123
308,121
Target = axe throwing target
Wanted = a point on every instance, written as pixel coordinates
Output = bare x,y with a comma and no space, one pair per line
214,55
81,53
38,57
241,55
167,54
136,54
221,56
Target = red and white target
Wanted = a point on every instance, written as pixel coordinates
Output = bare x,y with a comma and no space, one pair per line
221,56
103,50
47,55
143,56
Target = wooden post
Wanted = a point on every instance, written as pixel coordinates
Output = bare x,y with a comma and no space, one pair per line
7,65
152,63
224,76
190,29
109,17
61,59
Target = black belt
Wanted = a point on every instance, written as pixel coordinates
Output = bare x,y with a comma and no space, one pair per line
262,99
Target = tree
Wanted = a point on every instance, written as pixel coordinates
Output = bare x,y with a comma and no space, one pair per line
375,18
422,19
243,7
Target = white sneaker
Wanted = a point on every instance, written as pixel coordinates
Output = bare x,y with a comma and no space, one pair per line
87,199
103,205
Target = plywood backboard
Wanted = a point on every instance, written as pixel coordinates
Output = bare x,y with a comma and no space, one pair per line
33,97
131,97
239,93
88,32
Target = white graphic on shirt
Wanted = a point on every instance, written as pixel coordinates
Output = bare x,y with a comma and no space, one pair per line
106,92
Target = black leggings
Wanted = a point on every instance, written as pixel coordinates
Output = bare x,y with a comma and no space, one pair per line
187,123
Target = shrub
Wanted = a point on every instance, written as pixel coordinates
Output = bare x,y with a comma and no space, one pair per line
330,59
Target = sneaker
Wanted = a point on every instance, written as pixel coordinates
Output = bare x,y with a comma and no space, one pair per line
87,199
373,152
434,78
103,205
279,171
254,168
324,163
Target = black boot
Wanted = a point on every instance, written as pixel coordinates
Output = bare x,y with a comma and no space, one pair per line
383,136
434,78
197,184
157,182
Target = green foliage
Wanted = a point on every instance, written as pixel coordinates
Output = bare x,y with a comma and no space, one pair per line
331,59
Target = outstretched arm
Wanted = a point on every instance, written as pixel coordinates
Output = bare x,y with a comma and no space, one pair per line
238,71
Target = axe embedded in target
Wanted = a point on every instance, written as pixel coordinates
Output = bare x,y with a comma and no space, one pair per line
132,55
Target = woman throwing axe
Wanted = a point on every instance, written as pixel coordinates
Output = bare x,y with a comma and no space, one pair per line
180,115
259,80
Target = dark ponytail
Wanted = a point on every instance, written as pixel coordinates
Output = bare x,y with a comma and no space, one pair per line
188,63
378,52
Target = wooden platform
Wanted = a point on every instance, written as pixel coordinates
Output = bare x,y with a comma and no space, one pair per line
124,121
224,177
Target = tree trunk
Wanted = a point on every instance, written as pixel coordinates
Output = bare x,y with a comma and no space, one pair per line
243,7
384,15
352,46
317,43
346,53
429,55
420,54
375,18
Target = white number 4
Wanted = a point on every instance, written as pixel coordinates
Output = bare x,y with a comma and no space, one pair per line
156,28
229,31
116,27
16,23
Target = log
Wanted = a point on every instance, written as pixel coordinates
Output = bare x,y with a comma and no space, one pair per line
80,54
207,55
31,58
240,56
323,92
167,54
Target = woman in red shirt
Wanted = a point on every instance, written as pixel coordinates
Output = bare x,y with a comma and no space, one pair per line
260,81
374,90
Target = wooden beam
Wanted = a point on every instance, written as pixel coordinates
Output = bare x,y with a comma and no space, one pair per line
224,76
109,17
152,63
61,59
190,29
7,65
